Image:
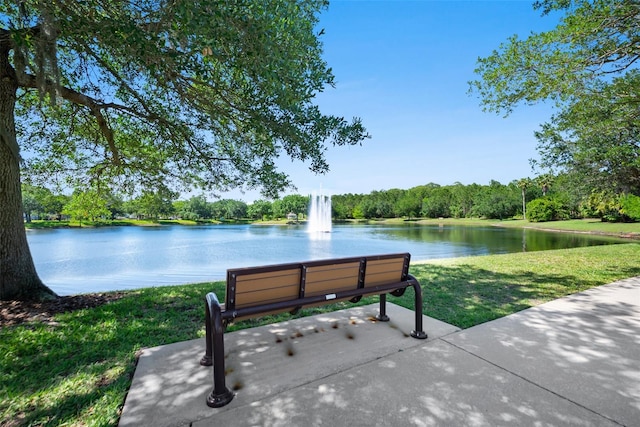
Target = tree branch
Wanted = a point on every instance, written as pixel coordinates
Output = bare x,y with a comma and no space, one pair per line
29,81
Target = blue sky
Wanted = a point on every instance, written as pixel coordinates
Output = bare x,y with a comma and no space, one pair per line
404,67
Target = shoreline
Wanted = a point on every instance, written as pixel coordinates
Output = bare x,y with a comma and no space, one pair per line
630,231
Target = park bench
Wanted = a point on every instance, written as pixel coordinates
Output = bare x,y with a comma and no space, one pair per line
257,291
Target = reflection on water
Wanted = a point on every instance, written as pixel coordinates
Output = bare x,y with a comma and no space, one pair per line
319,245
100,259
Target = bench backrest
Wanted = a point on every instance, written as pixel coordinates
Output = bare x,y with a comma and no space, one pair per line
256,286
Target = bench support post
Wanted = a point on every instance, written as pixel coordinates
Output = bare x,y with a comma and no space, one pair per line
220,395
207,359
383,309
419,332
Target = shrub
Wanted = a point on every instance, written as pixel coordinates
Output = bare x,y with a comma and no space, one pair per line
189,216
546,209
612,207
630,206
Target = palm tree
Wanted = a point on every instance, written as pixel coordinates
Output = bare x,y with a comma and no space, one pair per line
545,181
523,184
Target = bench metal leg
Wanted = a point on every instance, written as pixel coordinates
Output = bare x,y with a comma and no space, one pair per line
207,359
419,332
383,309
220,395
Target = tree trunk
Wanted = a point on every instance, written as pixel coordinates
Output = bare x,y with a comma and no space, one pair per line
18,277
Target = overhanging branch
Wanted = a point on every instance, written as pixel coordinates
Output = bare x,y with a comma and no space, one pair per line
29,81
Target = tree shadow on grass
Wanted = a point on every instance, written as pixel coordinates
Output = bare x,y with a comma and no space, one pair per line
82,365
464,295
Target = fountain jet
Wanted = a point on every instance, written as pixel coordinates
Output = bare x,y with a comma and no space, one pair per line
319,214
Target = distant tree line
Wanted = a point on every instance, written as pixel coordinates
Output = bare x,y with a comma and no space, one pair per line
544,198
91,205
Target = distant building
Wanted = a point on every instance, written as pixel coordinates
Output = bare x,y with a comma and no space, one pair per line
292,217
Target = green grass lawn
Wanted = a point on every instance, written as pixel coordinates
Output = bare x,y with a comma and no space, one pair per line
77,370
109,223
595,226
591,225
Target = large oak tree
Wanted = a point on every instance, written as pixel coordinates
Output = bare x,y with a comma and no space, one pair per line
588,67
187,93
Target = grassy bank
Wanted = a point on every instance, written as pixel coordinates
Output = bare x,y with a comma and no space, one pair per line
37,224
590,226
77,369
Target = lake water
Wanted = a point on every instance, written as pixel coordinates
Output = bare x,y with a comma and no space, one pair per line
72,261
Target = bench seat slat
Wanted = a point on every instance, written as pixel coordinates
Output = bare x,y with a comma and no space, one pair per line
259,297
267,280
330,278
384,271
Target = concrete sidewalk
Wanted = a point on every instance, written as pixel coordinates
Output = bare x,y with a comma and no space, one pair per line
571,362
